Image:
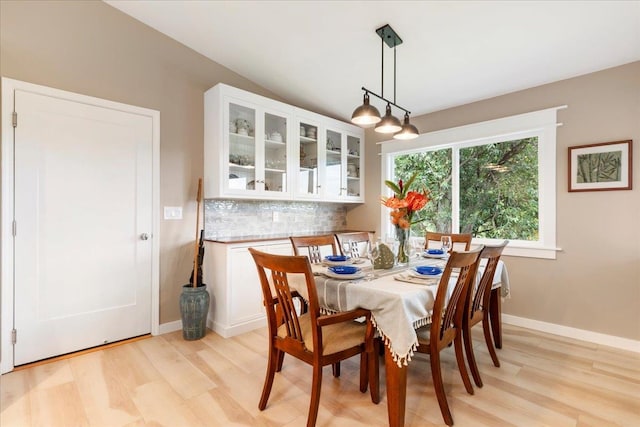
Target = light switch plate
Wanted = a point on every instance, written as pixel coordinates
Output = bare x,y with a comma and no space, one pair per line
173,212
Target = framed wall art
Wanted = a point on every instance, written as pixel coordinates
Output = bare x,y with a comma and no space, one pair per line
601,167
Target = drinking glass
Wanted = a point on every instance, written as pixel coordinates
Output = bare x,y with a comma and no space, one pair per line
411,249
346,247
372,251
446,243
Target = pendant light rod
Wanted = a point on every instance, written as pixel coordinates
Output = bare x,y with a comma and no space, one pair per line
382,66
394,74
385,100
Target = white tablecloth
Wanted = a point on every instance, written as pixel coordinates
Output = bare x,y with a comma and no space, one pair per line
397,308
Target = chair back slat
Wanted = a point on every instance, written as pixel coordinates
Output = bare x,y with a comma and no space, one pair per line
287,306
448,306
314,254
279,302
450,310
482,294
314,245
358,241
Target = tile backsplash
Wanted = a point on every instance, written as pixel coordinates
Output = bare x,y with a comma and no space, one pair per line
238,218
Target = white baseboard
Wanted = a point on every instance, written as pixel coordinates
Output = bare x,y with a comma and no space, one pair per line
580,334
230,331
164,328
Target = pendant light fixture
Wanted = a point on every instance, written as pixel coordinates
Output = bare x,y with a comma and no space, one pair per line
408,130
367,114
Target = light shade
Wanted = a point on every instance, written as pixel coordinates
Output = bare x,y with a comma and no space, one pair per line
365,114
408,130
389,123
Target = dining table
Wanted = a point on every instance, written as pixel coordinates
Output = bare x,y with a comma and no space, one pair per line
400,301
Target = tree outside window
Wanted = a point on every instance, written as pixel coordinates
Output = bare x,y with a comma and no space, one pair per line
497,188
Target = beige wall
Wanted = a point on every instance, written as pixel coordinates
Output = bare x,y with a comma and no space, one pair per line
90,48
594,284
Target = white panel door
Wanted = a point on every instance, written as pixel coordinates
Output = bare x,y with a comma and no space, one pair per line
83,209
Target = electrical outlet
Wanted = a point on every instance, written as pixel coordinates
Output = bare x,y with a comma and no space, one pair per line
276,216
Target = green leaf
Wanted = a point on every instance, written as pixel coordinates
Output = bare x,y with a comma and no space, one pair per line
393,186
408,184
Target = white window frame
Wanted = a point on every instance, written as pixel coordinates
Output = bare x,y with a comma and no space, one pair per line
541,124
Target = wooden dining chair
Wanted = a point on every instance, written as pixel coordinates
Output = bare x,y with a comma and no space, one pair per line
358,241
459,241
312,338
314,245
478,304
446,323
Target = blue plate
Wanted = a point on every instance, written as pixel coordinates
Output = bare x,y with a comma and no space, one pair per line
344,269
435,251
428,270
336,258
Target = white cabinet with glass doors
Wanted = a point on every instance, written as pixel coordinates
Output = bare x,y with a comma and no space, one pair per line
258,148
247,145
330,166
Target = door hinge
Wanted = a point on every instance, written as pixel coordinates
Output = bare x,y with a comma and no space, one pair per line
14,336
14,228
14,118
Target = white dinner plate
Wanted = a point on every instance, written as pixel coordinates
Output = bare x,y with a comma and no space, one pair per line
414,273
333,263
407,277
358,275
426,254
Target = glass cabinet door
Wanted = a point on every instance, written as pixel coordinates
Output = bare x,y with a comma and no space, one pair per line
307,179
242,147
275,153
333,164
353,166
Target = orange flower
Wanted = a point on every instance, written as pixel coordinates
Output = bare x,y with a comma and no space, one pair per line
394,202
416,201
404,203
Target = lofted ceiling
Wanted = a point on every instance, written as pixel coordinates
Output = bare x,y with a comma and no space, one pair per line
318,54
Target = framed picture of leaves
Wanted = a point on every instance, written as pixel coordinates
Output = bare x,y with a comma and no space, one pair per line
601,167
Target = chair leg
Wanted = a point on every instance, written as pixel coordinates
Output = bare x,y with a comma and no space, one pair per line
315,395
272,365
462,366
364,371
495,312
280,360
436,373
373,365
471,358
335,368
487,338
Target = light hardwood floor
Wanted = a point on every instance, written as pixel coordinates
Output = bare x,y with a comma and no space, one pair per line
544,380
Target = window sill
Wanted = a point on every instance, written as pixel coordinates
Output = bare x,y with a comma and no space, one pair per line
527,252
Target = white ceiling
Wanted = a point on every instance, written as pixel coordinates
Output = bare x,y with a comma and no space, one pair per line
318,54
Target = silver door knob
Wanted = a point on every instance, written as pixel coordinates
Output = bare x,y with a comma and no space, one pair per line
144,236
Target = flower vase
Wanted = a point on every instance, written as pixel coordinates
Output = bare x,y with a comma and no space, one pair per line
402,234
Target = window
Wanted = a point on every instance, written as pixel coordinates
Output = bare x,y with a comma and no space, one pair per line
493,179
